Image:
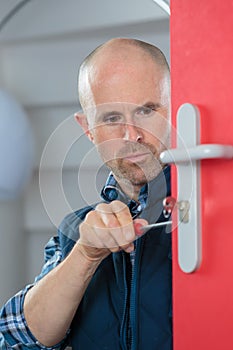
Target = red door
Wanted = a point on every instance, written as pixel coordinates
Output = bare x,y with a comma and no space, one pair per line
202,74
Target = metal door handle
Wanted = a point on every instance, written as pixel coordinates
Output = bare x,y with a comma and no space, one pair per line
206,151
187,158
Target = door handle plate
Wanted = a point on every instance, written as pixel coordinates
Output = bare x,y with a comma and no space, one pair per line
187,158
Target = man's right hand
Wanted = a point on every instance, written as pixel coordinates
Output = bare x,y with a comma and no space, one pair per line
107,229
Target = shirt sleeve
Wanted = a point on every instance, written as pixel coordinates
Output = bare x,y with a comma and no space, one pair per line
14,331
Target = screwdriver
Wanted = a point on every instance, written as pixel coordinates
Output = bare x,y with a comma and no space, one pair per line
140,229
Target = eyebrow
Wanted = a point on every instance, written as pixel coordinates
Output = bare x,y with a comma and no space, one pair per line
152,105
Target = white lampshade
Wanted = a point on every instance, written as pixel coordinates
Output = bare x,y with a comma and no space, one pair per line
16,147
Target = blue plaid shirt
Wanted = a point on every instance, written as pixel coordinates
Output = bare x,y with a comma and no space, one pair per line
14,331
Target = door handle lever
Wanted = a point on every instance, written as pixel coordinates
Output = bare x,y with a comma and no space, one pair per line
206,151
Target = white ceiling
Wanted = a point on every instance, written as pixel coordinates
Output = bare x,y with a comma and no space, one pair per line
40,18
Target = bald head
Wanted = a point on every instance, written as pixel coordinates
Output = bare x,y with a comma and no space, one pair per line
115,55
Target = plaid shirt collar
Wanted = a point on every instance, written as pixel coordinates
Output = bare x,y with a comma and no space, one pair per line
111,191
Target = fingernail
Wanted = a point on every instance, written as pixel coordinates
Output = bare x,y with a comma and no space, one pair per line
130,248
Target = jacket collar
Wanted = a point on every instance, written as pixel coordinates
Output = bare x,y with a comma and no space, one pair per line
150,203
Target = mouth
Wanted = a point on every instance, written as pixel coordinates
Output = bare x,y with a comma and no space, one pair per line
137,157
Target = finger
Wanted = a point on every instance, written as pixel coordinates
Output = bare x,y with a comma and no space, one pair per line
124,217
96,226
107,237
138,224
114,215
102,238
129,248
88,235
112,237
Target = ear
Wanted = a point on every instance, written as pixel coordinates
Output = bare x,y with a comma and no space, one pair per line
82,120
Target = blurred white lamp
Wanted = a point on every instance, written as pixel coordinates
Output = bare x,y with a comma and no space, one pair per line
16,147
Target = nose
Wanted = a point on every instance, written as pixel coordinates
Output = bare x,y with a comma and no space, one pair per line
132,133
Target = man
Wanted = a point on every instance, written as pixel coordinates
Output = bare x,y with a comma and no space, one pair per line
108,286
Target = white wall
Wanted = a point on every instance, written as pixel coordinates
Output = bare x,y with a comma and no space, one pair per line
44,72
12,249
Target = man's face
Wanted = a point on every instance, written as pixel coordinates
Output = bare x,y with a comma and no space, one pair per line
129,119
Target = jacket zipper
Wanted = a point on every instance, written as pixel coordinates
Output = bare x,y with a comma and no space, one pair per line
133,306
125,313
129,324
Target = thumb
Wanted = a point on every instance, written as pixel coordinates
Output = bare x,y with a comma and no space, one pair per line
138,224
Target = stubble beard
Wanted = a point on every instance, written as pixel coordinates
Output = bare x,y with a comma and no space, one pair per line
137,174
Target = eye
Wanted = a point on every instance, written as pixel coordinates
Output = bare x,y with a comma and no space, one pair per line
145,111
112,119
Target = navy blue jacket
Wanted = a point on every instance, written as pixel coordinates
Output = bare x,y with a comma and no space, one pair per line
123,307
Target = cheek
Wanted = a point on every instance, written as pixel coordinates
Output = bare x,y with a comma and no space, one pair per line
108,144
101,135
157,131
